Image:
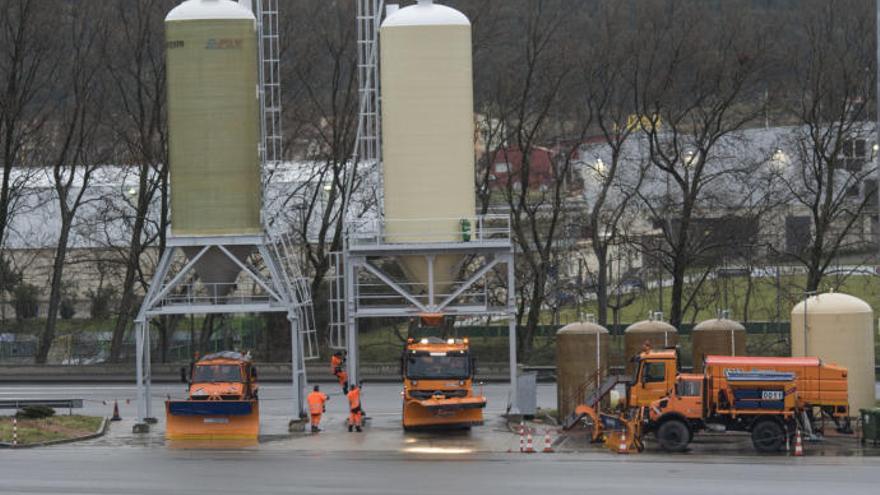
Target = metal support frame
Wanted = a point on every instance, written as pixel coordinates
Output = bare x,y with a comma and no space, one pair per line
283,294
360,260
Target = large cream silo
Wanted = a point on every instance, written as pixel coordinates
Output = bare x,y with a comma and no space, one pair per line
213,119
427,131
839,329
581,363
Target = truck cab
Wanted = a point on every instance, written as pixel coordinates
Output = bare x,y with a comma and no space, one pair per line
438,389
655,377
221,376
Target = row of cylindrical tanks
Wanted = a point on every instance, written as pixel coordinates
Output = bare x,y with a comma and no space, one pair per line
837,328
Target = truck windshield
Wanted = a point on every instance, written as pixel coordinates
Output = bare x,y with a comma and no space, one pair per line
445,366
217,373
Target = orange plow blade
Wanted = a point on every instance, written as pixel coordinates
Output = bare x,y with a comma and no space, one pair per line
212,420
444,412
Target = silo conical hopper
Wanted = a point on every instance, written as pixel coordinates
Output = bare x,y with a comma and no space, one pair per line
213,119
717,337
427,132
215,270
839,330
656,332
581,363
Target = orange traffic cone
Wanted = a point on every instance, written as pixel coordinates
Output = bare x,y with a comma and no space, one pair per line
798,444
530,448
548,445
116,416
622,449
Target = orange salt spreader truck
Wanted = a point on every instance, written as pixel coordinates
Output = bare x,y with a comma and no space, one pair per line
769,397
438,379
221,400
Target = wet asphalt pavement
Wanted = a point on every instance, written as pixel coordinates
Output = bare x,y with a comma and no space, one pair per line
385,460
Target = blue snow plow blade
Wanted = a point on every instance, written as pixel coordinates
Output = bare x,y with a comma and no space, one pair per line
211,408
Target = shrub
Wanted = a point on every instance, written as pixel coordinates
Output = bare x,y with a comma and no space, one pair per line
67,309
35,412
26,301
100,301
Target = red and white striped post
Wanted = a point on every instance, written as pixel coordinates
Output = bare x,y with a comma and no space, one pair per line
14,431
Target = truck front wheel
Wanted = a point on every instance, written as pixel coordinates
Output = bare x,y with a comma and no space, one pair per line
674,435
768,436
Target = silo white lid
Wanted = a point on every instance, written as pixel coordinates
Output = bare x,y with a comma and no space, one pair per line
191,10
832,303
426,13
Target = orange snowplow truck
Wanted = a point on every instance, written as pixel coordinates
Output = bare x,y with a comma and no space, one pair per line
222,400
438,389
769,397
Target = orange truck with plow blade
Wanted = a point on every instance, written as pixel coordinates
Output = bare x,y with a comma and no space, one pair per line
221,400
769,397
438,388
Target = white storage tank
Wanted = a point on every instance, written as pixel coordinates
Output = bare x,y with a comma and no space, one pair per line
213,124
213,118
839,329
427,131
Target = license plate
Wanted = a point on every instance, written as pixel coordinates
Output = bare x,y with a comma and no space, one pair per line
771,395
221,421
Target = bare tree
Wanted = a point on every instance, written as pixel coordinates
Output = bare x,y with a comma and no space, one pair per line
76,151
829,171
136,63
614,174
25,73
535,97
698,68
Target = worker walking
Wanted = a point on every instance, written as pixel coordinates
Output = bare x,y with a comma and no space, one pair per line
337,367
356,414
317,405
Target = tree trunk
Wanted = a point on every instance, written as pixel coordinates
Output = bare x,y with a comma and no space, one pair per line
534,317
55,292
675,312
132,266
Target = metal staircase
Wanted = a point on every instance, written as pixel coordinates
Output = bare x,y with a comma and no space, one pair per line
297,292
593,395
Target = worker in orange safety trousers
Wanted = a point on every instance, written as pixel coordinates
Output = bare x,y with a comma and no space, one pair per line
356,414
317,401
337,367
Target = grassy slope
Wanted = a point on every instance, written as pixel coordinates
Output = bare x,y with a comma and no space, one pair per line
48,429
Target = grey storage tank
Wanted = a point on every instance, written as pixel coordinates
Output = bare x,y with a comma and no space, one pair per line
581,363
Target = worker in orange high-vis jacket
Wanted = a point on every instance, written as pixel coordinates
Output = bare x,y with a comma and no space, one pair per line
337,367
317,405
356,414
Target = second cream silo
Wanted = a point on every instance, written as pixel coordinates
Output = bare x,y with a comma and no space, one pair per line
581,363
427,131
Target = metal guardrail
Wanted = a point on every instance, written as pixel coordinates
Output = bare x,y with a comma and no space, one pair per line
68,404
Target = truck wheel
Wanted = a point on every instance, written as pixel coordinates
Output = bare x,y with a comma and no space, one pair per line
768,436
674,436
